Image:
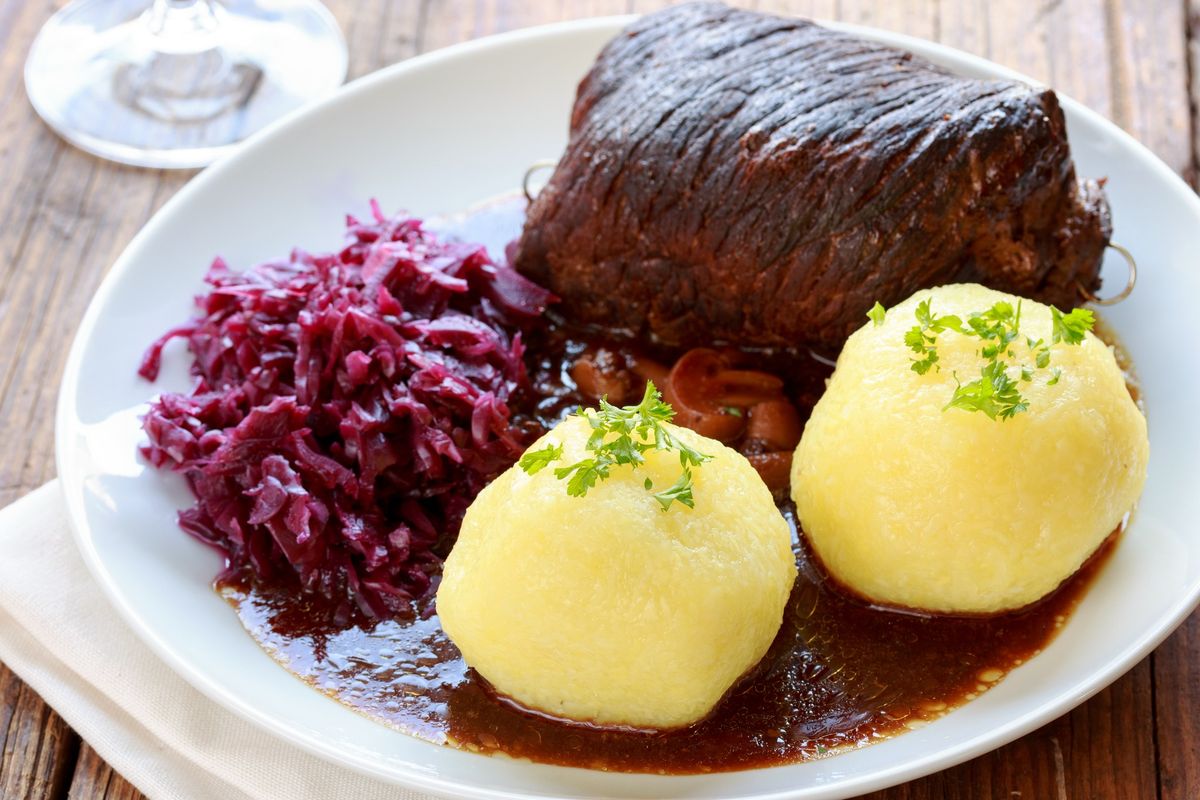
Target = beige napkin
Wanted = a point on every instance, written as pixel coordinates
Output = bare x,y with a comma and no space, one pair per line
58,632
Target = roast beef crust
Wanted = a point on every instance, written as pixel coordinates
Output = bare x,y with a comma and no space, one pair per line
762,181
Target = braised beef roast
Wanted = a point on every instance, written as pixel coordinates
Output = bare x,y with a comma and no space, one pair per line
758,180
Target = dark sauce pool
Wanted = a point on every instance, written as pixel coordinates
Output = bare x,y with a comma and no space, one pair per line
840,674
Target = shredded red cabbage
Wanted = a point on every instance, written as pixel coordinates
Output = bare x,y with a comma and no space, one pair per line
347,409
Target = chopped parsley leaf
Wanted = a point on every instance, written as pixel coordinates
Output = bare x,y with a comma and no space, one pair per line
998,329
623,436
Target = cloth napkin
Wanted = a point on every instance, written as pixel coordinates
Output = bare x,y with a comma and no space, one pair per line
59,633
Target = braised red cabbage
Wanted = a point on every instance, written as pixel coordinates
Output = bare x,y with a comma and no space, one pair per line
347,409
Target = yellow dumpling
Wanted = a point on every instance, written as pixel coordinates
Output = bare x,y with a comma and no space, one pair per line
607,609
948,510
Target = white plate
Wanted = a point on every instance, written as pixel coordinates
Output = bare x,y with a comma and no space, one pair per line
439,133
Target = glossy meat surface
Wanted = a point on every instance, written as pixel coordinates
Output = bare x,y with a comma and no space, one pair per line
737,177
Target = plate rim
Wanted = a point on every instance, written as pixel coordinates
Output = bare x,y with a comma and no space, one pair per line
66,453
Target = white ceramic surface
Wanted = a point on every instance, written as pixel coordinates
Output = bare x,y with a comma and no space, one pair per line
438,133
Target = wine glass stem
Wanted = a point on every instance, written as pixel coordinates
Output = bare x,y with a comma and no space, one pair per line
190,75
183,26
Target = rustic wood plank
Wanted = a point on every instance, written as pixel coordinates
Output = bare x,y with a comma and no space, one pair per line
1110,749
965,25
378,32
38,747
914,17
27,153
447,22
94,779
10,690
1177,689
86,213
1192,38
1125,58
1071,757
1150,82
1082,66
35,759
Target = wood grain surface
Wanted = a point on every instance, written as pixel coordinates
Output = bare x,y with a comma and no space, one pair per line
64,217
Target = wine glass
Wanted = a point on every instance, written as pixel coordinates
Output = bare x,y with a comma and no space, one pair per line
177,83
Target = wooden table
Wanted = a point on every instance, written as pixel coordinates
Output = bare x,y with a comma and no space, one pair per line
65,216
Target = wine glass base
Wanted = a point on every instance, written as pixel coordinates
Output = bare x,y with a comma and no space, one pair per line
100,79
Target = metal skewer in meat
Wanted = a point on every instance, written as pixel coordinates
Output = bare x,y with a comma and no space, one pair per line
761,181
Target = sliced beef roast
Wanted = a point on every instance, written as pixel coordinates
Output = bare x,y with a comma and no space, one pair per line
757,180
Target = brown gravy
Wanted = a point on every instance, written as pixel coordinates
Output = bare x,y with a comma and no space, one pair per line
840,674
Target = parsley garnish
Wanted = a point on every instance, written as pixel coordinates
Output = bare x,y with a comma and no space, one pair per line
680,491
1070,328
998,329
877,313
1040,350
623,436
536,460
995,394
922,337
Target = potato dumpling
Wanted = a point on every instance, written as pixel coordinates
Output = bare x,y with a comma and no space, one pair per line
607,609
948,510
